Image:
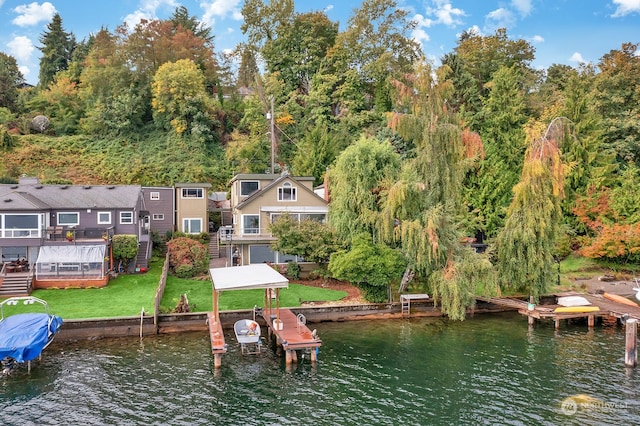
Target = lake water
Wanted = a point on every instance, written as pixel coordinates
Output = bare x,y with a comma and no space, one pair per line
491,369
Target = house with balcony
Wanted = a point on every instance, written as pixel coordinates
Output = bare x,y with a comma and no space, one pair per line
256,200
59,235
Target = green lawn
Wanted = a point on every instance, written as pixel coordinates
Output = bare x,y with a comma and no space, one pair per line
127,295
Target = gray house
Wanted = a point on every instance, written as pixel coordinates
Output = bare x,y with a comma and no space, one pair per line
59,234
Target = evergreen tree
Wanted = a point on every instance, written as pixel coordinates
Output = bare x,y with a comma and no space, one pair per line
57,50
10,80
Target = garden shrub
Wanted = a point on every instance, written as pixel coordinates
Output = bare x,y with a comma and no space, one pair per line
188,257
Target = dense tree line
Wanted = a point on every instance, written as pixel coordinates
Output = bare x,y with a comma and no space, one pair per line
418,156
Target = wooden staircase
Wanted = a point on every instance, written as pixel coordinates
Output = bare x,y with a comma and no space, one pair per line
16,285
141,258
214,246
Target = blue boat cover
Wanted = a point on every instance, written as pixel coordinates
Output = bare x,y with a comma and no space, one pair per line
24,336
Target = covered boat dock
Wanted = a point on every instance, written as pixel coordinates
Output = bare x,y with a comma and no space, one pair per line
289,329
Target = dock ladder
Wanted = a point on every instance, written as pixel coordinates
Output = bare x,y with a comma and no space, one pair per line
301,321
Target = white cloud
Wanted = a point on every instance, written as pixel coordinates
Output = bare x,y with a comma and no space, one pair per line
577,57
1,3
148,10
219,9
445,13
522,6
500,18
420,35
328,8
25,70
537,39
33,13
21,48
625,7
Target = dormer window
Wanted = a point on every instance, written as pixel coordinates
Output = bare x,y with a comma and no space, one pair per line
287,192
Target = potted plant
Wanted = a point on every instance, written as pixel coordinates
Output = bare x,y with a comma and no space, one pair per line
69,235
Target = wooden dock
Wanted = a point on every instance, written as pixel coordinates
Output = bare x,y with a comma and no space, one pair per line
608,308
291,333
218,345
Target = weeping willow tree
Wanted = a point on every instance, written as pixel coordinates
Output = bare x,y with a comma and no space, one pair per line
355,184
526,243
422,210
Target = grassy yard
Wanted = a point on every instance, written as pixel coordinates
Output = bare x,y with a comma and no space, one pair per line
127,295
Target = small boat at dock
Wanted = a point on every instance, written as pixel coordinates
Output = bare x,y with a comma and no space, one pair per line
23,336
248,335
619,299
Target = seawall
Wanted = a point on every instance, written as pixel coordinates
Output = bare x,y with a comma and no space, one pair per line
174,323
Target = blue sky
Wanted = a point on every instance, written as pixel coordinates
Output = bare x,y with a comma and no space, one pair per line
566,32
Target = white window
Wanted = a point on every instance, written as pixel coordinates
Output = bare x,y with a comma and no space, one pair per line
250,224
158,216
126,218
192,193
192,226
69,219
20,225
154,195
104,218
248,187
287,192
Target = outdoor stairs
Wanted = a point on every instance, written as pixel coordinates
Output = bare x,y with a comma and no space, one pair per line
214,246
141,258
13,286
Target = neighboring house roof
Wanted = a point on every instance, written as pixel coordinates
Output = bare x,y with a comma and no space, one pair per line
218,201
264,190
30,196
193,185
268,176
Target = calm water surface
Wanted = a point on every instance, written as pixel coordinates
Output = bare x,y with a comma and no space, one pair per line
485,370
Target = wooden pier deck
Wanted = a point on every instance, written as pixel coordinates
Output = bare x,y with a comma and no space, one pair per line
293,334
218,345
608,308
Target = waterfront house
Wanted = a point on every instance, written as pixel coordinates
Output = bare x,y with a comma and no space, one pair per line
256,200
58,235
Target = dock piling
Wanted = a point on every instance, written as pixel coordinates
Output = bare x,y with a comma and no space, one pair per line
631,343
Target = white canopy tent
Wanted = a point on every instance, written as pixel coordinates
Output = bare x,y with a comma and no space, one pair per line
248,277
68,261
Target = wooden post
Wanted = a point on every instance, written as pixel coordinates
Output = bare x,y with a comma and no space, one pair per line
288,357
631,343
557,321
591,320
217,360
314,354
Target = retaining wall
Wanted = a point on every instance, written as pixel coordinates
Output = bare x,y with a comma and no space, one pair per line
173,323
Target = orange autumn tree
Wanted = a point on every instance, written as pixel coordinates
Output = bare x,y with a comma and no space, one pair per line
612,236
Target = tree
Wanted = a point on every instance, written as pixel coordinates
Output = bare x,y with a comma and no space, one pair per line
482,56
617,97
182,18
10,79
298,50
309,239
178,93
371,267
57,49
526,244
502,133
422,210
355,184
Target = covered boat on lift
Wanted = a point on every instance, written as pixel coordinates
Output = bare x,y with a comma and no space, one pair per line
23,336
